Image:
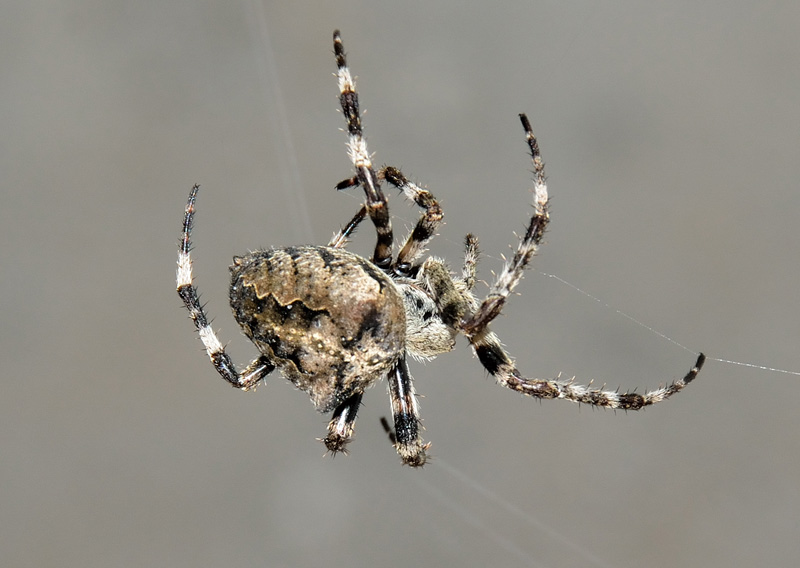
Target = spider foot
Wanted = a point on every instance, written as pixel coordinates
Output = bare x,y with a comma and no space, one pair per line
336,444
414,454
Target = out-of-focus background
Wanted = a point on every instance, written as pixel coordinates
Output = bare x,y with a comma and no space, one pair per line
670,132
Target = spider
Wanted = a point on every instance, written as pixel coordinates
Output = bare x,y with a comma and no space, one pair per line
335,323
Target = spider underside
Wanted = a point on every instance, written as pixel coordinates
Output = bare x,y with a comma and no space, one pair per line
334,322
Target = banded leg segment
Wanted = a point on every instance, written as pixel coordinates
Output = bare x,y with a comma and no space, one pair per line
342,423
425,228
488,347
471,255
341,238
405,413
260,367
494,358
511,274
377,206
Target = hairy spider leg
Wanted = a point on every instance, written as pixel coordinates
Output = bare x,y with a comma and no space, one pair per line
342,423
426,226
260,367
342,237
405,413
488,347
377,207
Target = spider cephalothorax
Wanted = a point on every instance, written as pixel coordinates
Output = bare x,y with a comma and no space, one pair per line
334,322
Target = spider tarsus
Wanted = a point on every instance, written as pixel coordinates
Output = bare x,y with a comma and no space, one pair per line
701,360
415,454
347,183
336,444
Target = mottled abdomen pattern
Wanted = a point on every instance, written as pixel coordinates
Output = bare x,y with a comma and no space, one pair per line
330,319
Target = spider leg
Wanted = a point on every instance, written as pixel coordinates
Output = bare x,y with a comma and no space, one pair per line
341,238
348,183
499,364
388,429
377,206
487,346
425,228
471,254
340,428
452,301
260,367
511,274
405,413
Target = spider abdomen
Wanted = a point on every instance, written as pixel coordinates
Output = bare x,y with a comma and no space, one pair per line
331,320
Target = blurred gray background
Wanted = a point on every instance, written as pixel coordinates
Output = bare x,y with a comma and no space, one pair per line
670,132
